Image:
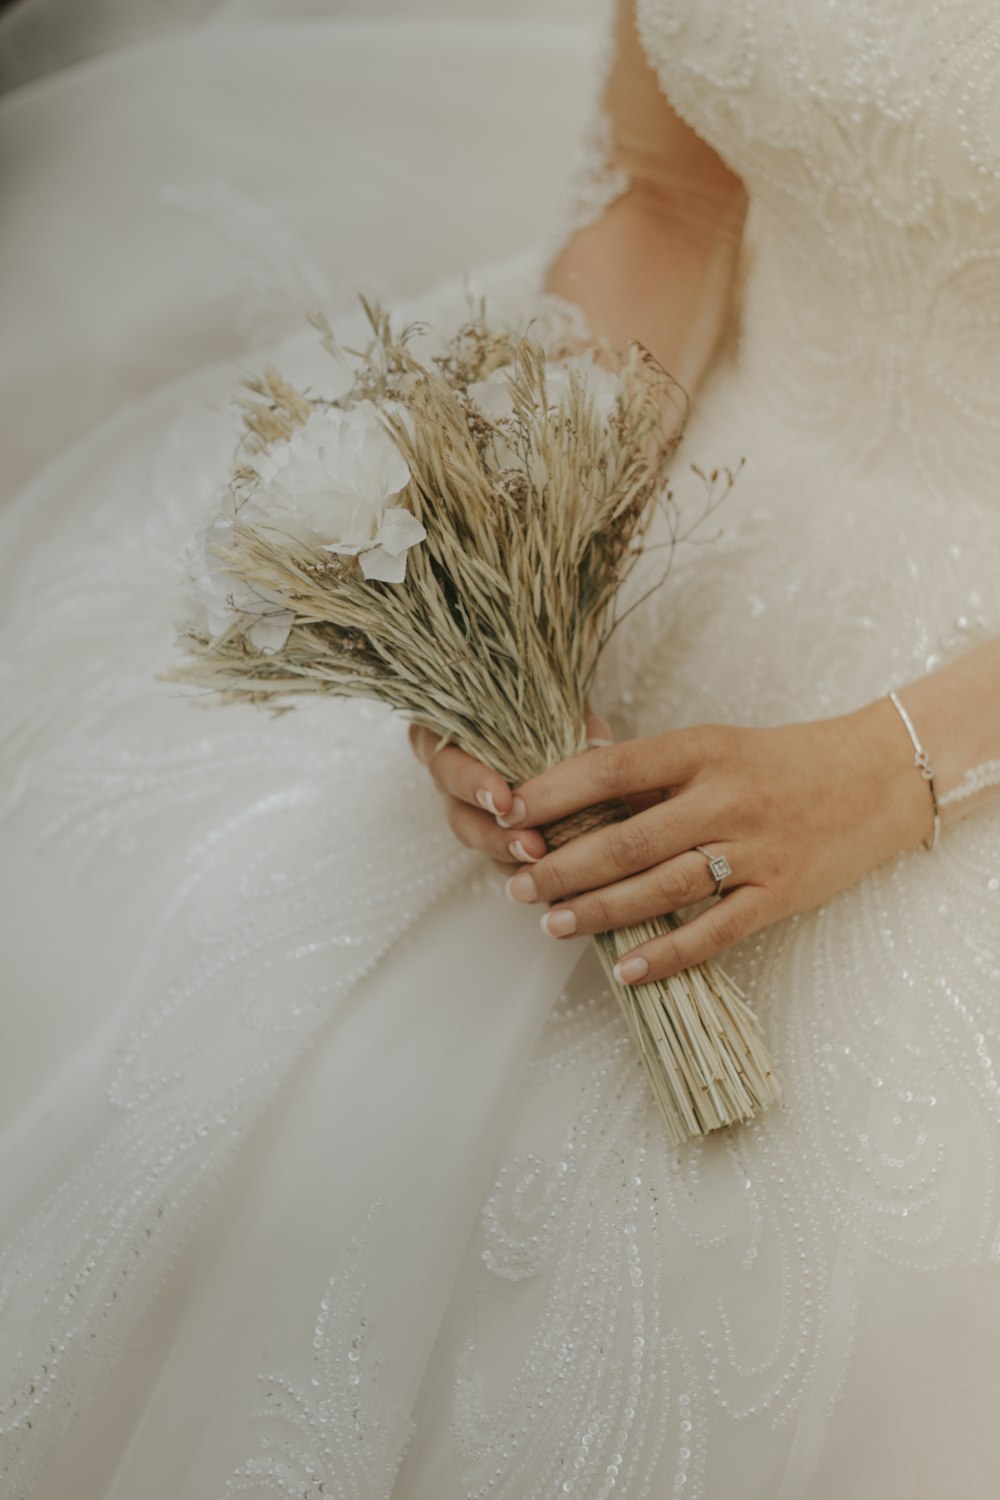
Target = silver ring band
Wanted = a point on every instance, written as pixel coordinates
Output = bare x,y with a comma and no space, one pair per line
719,866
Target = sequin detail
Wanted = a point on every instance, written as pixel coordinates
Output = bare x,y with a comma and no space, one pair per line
334,1437
979,779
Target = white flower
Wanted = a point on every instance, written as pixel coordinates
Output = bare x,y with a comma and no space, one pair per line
223,599
494,399
386,560
330,483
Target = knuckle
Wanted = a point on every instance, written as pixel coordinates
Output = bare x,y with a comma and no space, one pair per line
713,744
599,915
668,957
550,879
629,845
701,744
731,799
677,887
614,767
725,929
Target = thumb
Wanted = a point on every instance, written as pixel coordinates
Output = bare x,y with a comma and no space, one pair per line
599,731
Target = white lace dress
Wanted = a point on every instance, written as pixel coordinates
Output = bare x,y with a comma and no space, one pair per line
321,1171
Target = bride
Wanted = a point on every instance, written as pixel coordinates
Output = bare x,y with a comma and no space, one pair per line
323,1171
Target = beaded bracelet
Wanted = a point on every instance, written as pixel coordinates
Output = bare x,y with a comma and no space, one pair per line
922,761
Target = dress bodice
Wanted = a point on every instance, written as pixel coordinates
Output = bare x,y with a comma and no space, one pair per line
868,135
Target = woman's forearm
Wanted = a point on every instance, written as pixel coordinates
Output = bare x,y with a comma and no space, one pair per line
956,713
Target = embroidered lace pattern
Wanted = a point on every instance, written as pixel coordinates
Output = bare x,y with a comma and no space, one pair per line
866,136
332,1438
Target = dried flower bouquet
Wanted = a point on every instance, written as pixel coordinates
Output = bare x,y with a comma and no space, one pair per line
450,538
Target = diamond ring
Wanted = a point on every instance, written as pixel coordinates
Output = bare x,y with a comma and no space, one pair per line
719,866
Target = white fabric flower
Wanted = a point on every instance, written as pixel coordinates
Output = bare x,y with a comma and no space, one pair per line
330,483
494,399
386,561
223,599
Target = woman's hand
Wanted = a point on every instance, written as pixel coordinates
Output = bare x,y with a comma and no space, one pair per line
476,798
800,812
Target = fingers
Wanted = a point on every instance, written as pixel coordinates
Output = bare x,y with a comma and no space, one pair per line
599,731
458,775
631,766
732,918
666,887
607,855
477,829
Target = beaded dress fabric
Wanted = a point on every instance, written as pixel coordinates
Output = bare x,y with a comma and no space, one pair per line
322,1172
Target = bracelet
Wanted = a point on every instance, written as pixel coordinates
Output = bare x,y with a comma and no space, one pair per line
922,761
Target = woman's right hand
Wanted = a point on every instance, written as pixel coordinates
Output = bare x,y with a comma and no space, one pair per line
475,797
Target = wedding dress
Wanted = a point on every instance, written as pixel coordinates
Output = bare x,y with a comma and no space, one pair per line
322,1172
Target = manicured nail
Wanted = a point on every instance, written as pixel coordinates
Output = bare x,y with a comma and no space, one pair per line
515,816
521,887
559,923
485,799
628,970
599,744
517,850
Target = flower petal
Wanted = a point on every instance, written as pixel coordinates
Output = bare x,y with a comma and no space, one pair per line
399,529
270,632
346,549
379,564
493,396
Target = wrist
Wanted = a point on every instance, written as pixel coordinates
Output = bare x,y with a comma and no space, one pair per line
902,805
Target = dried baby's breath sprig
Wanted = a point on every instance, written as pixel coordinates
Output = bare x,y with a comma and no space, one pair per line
525,491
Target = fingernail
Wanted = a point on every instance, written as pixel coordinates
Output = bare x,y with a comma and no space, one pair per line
559,923
515,816
485,799
520,853
521,887
628,970
599,744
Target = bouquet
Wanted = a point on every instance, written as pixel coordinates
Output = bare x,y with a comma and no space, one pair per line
450,538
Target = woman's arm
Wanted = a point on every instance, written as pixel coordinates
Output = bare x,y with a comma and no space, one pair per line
659,262
956,711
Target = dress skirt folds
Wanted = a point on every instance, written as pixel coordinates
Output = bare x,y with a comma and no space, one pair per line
321,1171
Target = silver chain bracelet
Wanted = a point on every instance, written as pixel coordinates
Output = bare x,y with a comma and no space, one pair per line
922,761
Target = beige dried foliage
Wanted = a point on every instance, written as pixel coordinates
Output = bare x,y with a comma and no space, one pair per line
492,638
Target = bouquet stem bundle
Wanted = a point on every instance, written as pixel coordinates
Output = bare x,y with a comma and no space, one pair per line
699,1040
470,583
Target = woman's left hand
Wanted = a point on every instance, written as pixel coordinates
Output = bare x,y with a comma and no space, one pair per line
800,812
